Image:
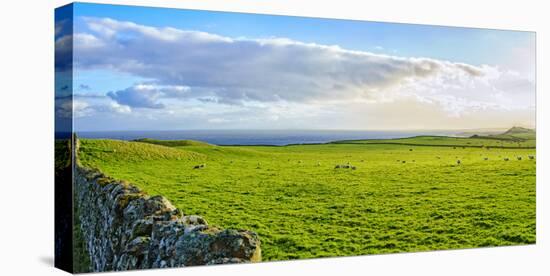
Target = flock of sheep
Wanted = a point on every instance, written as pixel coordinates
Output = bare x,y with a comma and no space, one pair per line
519,158
349,166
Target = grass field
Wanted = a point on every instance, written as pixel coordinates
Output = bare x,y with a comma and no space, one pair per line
404,195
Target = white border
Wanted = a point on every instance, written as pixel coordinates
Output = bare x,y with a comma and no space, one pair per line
26,59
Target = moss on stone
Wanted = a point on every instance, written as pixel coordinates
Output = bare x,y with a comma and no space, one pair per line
124,199
257,255
104,181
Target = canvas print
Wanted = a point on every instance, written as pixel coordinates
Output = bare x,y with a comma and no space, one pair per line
188,137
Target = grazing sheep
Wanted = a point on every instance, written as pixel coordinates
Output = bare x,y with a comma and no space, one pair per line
519,158
199,166
506,159
531,157
340,166
458,162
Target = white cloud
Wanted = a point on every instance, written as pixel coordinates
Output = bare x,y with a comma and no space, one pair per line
148,95
91,105
210,69
87,41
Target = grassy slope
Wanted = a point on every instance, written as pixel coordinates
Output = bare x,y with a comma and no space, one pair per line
515,140
173,143
516,137
132,151
302,207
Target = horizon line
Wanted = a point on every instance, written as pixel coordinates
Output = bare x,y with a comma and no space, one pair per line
307,129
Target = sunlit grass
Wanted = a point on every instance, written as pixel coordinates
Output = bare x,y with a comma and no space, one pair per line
401,198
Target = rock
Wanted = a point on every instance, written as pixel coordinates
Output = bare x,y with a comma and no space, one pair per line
194,220
142,227
138,246
226,261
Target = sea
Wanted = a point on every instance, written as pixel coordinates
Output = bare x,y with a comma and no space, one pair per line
259,137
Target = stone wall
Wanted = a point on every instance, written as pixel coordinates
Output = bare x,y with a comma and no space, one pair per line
123,229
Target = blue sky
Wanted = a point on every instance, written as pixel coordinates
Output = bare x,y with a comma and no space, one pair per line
474,46
293,72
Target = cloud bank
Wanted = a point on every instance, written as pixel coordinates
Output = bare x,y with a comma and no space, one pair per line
184,66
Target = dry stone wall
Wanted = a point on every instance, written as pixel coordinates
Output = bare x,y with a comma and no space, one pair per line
123,229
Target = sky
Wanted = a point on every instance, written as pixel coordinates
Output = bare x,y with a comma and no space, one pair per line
139,68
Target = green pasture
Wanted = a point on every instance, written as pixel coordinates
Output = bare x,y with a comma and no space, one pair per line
403,195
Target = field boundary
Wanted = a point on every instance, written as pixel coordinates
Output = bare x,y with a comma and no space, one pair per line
426,145
350,142
123,228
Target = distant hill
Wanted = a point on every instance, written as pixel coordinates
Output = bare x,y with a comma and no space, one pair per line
480,132
173,143
519,134
519,130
